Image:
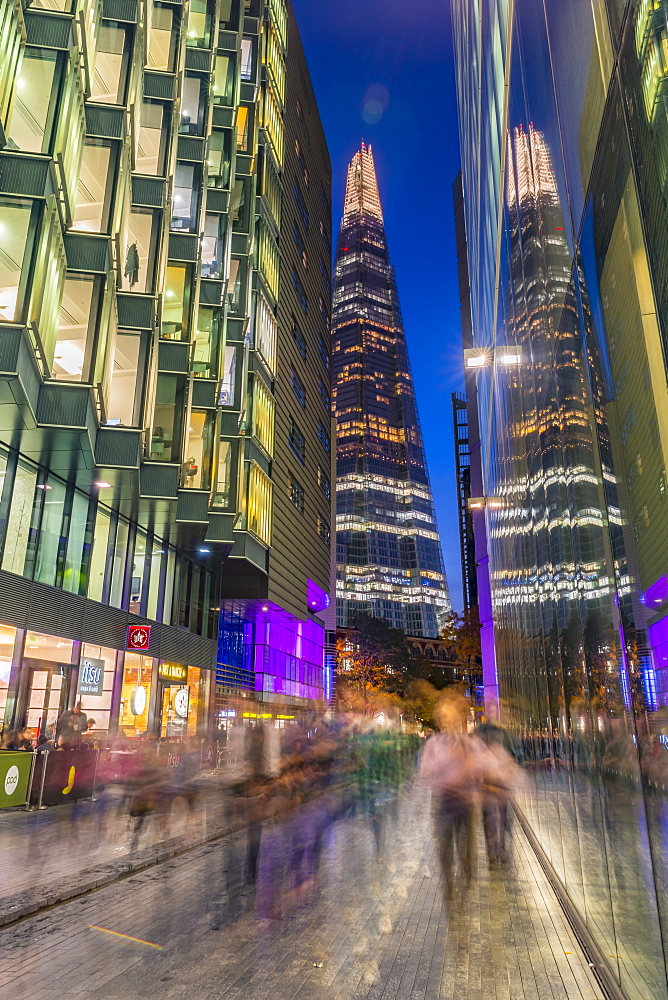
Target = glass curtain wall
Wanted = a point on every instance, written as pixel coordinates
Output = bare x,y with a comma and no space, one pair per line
574,453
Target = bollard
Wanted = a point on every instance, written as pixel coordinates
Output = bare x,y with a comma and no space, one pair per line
32,773
41,786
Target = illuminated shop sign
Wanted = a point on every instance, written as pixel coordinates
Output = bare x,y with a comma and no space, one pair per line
139,637
172,672
91,677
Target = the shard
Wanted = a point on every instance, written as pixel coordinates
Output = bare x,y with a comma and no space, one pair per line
388,549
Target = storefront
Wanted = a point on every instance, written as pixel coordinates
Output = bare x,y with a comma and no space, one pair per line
181,701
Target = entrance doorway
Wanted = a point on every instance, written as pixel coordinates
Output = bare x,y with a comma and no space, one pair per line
46,690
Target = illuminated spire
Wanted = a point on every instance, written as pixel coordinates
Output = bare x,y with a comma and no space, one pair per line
362,187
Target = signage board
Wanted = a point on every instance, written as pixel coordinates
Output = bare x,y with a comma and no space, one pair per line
14,777
173,672
91,677
139,637
70,774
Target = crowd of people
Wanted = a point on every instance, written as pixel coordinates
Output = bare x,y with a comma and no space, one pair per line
72,731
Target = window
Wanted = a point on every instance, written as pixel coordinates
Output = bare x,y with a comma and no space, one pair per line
296,495
184,204
247,58
301,205
243,127
76,328
323,483
264,332
207,335
297,442
299,289
196,472
258,518
298,388
301,161
234,286
141,248
299,340
35,102
153,137
324,530
324,395
228,382
240,205
299,243
163,38
16,240
263,416
221,496
223,80
198,34
20,516
326,277
212,248
96,185
324,353
111,63
323,437
193,105
176,302
170,400
324,312
124,403
218,162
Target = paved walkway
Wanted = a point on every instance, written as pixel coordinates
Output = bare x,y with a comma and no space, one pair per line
358,926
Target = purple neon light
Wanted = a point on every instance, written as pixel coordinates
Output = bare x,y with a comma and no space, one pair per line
657,594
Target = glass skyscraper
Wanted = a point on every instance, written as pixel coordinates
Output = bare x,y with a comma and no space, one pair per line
564,127
388,550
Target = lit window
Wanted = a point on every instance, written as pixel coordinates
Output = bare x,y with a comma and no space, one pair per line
296,495
298,388
299,340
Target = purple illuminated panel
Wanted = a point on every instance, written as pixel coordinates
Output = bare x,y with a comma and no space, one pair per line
657,594
288,656
316,598
658,640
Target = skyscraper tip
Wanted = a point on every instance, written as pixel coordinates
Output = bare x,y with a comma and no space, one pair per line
362,196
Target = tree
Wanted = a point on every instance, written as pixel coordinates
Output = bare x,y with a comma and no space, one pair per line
462,632
373,657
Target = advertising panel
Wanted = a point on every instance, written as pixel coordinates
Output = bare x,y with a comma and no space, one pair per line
70,775
14,777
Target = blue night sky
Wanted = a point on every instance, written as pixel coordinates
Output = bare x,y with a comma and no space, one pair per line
382,72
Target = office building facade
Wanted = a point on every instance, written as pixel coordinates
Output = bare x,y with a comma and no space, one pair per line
563,130
138,308
388,549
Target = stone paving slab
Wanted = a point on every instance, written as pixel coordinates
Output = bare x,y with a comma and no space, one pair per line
359,926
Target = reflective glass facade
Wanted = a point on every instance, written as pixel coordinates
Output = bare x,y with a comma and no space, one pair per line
563,130
388,556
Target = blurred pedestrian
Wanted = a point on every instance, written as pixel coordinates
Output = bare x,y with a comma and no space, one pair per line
18,739
72,724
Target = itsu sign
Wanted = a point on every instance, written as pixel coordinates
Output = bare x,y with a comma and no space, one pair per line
139,637
91,677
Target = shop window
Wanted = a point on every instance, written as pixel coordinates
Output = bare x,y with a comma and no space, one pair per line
97,669
112,60
153,138
258,505
17,223
37,87
298,388
296,495
182,701
7,640
49,535
323,483
263,416
193,105
223,489
207,337
243,128
135,694
223,80
45,659
198,33
99,560
163,38
170,399
96,185
264,332
247,53
125,386
141,249
297,442
219,158
212,247
79,539
184,203
176,302
77,325
199,448
228,394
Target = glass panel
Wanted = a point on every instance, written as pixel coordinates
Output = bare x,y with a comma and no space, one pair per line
123,405
193,105
223,80
7,640
197,467
224,475
111,64
184,204
212,247
264,332
234,284
138,566
168,418
135,694
51,535
246,58
119,558
35,91
76,328
169,586
240,206
97,668
163,38
227,386
199,24
157,562
153,135
91,212
98,563
207,334
15,219
218,162
243,122
176,302
141,249
259,503
78,545
263,416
